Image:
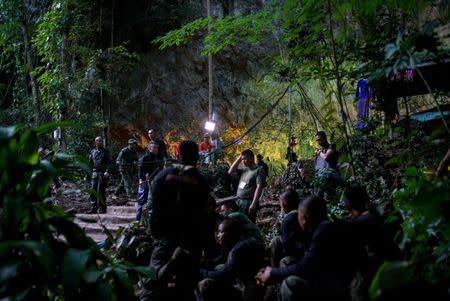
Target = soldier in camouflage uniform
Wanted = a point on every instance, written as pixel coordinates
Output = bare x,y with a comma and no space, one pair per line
126,160
99,160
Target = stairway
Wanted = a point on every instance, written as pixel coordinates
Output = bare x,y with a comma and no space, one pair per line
114,218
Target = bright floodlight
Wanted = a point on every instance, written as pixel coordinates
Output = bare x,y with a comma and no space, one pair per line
210,126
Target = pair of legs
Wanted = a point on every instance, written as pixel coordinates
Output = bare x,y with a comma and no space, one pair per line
98,183
243,205
141,199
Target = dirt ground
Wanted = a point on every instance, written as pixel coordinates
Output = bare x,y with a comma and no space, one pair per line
71,197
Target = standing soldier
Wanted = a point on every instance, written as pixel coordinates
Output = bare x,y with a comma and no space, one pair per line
99,160
251,183
162,151
126,160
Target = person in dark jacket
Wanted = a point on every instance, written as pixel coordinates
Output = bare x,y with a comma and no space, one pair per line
148,168
291,244
329,264
162,150
233,280
378,244
178,220
99,160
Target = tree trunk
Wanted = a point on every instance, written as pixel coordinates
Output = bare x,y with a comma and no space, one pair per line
339,92
30,66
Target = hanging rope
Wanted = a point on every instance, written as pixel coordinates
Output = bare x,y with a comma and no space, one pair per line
258,121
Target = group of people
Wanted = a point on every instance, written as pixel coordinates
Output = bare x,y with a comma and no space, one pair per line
148,165
202,252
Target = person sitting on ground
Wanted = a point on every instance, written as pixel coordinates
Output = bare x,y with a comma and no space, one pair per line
260,162
329,264
212,253
242,263
377,243
290,246
251,183
205,149
148,168
250,232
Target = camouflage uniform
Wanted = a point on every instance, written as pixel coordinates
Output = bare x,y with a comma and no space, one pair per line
99,160
125,160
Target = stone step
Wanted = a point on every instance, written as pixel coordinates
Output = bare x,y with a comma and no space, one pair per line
91,228
121,210
105,218
97,237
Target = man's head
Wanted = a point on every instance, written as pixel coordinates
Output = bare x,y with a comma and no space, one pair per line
289,200
229,207
206,137
98,141
132,143
188,152
321,138
152,134
248,158
311,212
228,233
356,199
259,158
153,148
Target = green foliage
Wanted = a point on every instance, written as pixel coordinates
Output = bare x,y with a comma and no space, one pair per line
44,255
390,276
425,238
181,36
229,31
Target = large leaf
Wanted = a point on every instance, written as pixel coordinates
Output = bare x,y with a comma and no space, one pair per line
28,146
73,270
35,252
13,210
390,276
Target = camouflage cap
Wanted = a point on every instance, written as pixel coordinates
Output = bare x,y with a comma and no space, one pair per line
132,141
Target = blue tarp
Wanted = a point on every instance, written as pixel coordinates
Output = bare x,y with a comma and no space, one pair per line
427,116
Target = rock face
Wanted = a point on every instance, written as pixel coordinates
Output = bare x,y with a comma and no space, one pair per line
168,90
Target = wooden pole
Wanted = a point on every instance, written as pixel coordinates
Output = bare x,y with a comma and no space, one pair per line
210,68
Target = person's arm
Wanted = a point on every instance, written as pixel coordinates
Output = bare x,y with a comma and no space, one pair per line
91,159
328,154
254,205
107,162
141,169
119,158
235,165
260,184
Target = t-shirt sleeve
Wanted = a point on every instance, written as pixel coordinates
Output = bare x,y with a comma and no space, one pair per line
261,177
